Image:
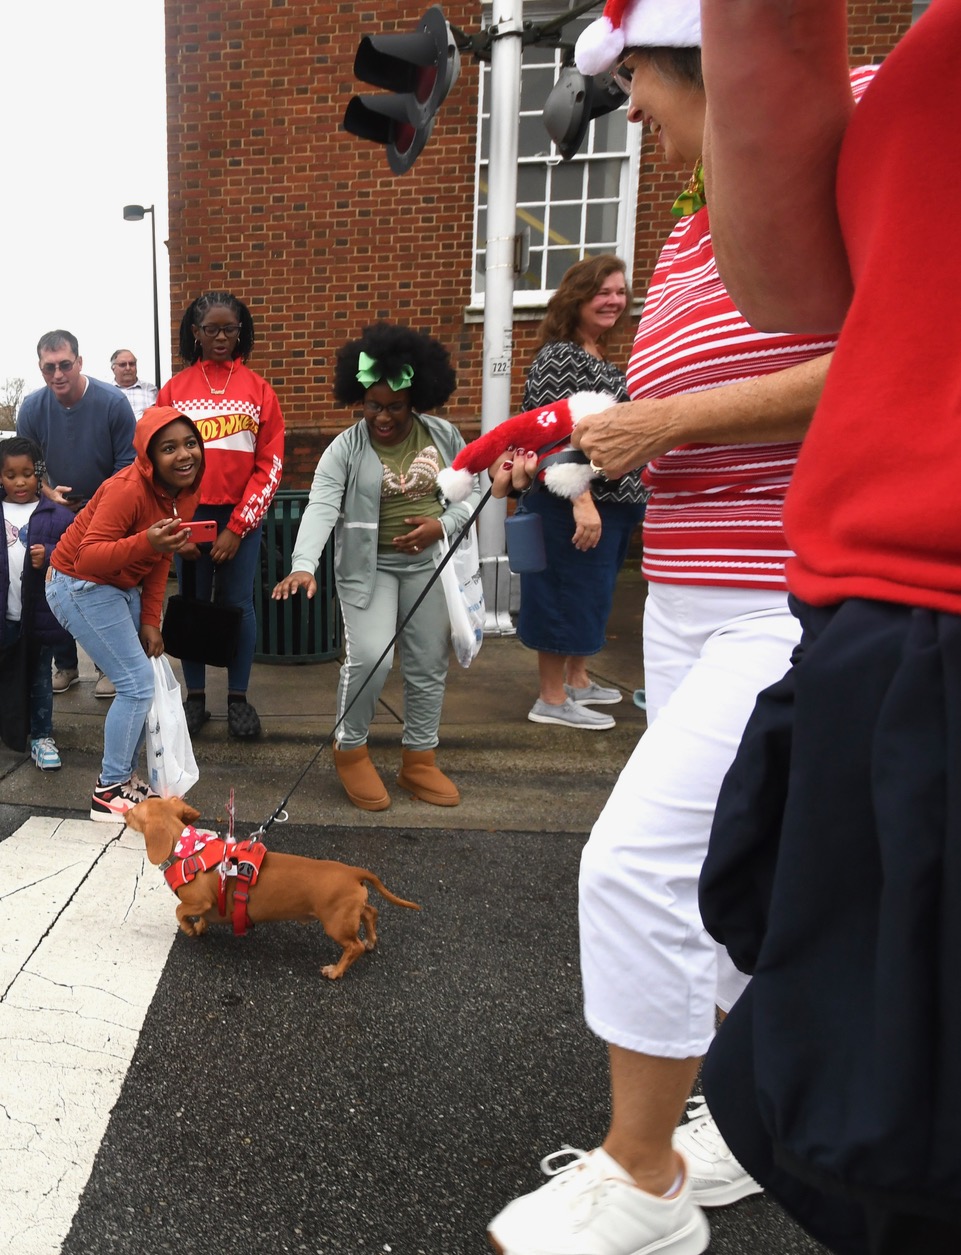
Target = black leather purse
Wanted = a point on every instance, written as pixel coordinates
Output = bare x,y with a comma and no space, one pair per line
197,630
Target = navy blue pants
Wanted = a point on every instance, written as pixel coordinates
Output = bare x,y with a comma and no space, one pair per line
834,876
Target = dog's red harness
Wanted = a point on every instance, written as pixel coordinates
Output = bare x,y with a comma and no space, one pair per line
197,852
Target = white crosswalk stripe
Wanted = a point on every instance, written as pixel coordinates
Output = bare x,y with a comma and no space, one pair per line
85,930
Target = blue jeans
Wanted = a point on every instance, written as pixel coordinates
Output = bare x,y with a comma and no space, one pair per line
235,585
41,685
106,622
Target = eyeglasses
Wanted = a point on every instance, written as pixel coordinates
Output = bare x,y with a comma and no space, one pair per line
51,368
125,365
395,409
212,331
622,75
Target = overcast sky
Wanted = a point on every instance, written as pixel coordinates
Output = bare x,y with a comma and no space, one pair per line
83,104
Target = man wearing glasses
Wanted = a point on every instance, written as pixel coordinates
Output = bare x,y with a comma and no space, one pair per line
140,394
85,431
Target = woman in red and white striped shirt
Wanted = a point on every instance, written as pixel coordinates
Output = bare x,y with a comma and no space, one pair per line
717,412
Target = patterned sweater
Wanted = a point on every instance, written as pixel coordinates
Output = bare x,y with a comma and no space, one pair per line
243,435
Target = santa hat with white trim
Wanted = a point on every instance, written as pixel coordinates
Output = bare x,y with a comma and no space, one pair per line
545,429
637,24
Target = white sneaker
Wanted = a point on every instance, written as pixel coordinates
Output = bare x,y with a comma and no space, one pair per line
592,1207
717,1179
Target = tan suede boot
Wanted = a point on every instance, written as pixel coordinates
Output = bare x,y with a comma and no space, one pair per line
421,775
359,777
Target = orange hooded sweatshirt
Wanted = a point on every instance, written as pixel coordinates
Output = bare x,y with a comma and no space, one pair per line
107,541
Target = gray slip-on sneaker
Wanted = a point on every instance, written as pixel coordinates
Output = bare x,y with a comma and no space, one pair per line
569,715
594,695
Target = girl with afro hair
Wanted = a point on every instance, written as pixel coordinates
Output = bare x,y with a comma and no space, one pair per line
375,488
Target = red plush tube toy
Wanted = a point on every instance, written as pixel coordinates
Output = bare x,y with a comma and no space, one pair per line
531,430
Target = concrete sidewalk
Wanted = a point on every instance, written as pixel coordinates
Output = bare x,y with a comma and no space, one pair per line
512,774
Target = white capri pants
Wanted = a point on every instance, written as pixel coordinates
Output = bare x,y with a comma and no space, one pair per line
652,975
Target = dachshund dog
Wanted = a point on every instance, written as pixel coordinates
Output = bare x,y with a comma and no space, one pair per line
286,887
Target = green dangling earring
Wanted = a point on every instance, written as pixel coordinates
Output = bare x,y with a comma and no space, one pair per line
692,198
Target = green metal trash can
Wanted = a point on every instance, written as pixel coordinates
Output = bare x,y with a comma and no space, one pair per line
295,630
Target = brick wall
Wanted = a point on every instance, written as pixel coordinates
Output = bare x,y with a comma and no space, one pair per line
269,198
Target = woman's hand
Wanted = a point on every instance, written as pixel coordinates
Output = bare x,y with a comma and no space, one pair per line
425,532
168,536
629,435
293,583
587,522
225,546
513,471
152,641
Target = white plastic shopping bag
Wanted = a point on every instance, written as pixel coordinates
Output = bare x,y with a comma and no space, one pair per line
171,766
464,591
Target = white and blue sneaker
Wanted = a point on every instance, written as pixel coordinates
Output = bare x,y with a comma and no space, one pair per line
45,754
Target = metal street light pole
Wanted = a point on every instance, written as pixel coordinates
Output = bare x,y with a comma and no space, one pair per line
135,213
505,86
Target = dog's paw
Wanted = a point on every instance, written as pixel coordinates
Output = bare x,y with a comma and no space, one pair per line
331,971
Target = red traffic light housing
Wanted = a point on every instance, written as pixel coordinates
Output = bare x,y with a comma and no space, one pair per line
417,70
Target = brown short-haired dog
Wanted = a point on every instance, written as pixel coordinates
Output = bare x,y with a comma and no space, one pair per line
287,887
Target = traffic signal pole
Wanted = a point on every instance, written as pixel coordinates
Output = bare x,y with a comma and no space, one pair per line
505,99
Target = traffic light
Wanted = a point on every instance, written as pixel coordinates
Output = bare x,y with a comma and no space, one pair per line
417,70
575,99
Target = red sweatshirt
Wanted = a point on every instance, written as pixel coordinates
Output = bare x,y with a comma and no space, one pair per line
243,433
873,509
107,541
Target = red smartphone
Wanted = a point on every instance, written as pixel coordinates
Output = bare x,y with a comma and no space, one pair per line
201,530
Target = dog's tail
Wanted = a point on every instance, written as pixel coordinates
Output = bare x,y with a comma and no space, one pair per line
384,891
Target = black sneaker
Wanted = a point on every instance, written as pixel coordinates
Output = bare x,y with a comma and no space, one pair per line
110,802
242,720
196,714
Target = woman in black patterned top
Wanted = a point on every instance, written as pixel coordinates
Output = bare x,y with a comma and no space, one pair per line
565,608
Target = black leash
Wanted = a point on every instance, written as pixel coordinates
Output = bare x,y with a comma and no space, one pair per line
280,814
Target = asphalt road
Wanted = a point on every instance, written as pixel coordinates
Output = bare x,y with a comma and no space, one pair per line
263,1108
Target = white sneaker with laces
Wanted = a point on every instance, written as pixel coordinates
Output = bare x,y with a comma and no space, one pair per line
591,1206
717,1179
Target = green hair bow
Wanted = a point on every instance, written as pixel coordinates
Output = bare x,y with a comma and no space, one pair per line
369,373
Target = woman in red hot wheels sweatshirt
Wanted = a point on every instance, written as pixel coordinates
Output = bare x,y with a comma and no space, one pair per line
106,584
239,417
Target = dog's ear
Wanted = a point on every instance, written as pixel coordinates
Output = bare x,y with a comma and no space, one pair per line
161,832
186,812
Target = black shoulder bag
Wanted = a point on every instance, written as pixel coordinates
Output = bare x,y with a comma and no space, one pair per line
200,631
